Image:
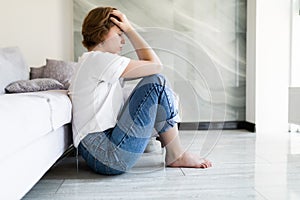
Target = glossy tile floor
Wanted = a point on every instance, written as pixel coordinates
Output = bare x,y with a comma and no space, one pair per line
246,166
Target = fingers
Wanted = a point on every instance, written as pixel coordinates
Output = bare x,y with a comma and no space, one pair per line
118,14
121,22
115,21
118,23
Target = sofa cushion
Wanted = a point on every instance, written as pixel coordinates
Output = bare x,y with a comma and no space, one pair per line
37,72
59,70
35,85
12,67
26,117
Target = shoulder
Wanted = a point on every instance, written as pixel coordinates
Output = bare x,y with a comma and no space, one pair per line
99,55
102,57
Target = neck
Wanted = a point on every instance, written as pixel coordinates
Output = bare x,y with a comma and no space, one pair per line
98,47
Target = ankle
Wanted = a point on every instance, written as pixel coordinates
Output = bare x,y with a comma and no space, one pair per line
174,156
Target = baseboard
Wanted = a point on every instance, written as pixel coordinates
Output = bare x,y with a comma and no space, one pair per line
227,125
247,126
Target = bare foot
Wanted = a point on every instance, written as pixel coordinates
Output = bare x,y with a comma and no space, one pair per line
190,160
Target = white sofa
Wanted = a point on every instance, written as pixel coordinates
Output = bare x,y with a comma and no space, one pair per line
34,128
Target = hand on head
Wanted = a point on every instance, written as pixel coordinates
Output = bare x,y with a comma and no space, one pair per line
123,23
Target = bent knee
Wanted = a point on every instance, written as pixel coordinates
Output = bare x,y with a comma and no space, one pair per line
155,78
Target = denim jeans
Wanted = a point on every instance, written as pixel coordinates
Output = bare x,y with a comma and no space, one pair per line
151,106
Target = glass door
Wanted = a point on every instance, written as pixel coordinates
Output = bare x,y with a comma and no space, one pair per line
202,45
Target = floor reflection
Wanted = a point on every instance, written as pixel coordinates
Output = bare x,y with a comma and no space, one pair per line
245,166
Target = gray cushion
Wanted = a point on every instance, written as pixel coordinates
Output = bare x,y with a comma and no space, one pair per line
33,85
59,70
12,67
37,72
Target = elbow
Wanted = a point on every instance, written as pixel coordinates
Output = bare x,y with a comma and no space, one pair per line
159,67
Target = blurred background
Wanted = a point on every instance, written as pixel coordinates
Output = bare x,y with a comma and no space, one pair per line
202,45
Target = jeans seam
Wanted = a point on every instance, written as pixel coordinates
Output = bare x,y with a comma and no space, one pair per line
136,113
169,104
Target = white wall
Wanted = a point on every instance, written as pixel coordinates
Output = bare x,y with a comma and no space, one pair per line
41,28
268,63
295,58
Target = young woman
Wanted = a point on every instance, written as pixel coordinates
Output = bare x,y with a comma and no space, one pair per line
112,133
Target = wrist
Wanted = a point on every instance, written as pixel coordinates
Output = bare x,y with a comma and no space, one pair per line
129,30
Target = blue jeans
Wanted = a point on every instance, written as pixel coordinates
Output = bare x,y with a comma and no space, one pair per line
151,106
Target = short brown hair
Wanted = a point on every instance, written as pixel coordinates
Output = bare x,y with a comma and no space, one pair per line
96,25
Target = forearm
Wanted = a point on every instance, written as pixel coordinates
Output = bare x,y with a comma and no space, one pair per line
143,50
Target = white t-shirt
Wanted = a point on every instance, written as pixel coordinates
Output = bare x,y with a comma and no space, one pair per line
96,93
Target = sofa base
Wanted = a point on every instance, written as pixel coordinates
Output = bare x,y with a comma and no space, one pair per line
22,170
